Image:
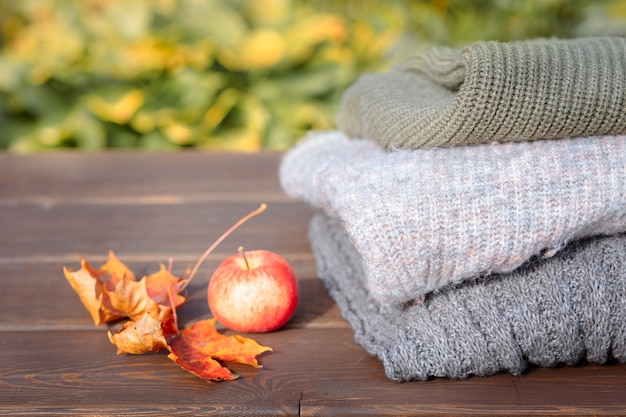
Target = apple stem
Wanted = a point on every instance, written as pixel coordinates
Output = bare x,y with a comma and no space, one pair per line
243,255
260,210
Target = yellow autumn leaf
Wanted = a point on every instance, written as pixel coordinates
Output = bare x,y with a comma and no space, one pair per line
120,109
179,133
218,111
263,48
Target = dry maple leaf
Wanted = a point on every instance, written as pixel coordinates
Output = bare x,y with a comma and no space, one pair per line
164,288
91,286
150,304
108,277
198,347
140,336
132,298
116,270
84,283
112,293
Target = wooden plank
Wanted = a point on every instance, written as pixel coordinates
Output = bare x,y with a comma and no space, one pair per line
581,391
182,231
53,178
311,372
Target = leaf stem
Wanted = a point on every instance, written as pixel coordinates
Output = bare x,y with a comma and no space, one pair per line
174,314
260,210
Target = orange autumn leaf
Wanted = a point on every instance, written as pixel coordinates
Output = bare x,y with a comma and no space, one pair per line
150,323
197,348
93,286
111,273
90,288
140,336
111,292
108,277
116,270
132,299
83,282
164,288
148,305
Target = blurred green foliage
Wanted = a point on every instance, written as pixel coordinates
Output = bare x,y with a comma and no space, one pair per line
229,74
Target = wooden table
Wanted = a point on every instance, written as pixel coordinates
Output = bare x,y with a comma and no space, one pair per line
150,207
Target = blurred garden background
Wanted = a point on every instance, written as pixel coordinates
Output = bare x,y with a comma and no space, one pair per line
240,75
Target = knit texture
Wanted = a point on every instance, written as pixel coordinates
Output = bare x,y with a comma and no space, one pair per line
424,219
492,92
562,310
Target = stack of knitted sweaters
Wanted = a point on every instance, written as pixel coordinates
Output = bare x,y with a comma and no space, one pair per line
472,207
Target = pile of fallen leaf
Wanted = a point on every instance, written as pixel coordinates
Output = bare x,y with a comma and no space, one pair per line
148,306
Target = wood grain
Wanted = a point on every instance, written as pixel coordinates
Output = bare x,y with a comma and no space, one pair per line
150,207
181,231
311,371
73,177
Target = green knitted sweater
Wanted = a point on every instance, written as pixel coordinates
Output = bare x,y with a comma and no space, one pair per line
492,92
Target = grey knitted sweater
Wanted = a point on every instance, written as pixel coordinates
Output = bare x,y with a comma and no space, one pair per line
422,220
490,91
562,310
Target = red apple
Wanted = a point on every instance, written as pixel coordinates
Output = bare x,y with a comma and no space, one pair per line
254,291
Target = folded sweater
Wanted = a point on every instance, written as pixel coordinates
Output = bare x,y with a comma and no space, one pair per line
562,310
425,219
492,91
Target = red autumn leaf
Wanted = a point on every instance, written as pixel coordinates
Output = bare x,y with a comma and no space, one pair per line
140,336
169,325
198,346
202,366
